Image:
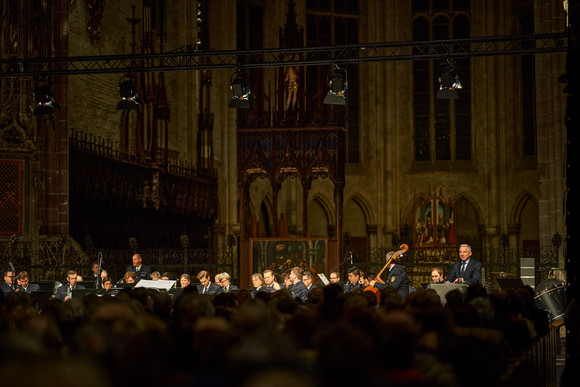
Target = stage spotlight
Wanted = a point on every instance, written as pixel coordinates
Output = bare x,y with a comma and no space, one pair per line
338,85
242,97
448,82
129,96
44,100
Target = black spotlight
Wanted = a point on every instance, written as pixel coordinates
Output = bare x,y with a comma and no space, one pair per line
338,85
242,97
448,82
44,100
129,96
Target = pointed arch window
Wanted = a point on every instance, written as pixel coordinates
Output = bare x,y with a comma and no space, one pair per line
442,127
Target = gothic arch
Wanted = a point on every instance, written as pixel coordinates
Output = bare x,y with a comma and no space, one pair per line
463,197
519,205
364,206
326,206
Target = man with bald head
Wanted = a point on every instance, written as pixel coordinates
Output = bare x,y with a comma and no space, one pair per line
141,271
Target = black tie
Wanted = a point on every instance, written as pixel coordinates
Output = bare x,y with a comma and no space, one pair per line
462,268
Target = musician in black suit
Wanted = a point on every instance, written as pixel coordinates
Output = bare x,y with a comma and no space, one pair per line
354,280
108,287
396,278
467,270
94,272
226,283
140,270
64,292
8,285
307,279
206,286
334,278
258,284
184,280
24,284
298,289
270,281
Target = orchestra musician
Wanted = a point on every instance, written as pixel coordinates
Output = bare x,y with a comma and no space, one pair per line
354,280
396,277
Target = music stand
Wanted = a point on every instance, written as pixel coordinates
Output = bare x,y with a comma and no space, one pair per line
46,286
157,284
323,278
40,298
81,293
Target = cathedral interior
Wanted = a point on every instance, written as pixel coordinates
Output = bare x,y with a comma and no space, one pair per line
284,177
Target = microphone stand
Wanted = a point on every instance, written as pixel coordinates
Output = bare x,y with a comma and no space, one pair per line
347,257
100,261
14,286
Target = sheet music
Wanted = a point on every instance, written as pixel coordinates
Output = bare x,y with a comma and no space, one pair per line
158,284
323,278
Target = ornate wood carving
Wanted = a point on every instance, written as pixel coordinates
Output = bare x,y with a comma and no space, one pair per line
96,12
96,172
11,197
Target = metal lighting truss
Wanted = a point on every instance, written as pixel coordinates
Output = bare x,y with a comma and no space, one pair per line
191,58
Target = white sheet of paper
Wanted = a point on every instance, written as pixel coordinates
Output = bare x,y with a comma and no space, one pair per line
158,284
324,279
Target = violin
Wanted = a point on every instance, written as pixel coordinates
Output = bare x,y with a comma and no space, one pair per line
394,258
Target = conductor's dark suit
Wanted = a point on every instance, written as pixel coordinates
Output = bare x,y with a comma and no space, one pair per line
472,272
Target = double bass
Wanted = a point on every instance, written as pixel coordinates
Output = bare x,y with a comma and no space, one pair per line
394,258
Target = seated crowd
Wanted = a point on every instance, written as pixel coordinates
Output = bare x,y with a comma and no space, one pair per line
297,333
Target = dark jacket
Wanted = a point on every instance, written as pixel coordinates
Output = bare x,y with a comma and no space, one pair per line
299,291
30,288
472,272
62,291
144,272
212,291
230,289
349,288
397,278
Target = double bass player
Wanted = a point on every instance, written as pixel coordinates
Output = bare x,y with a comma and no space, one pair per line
396,277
